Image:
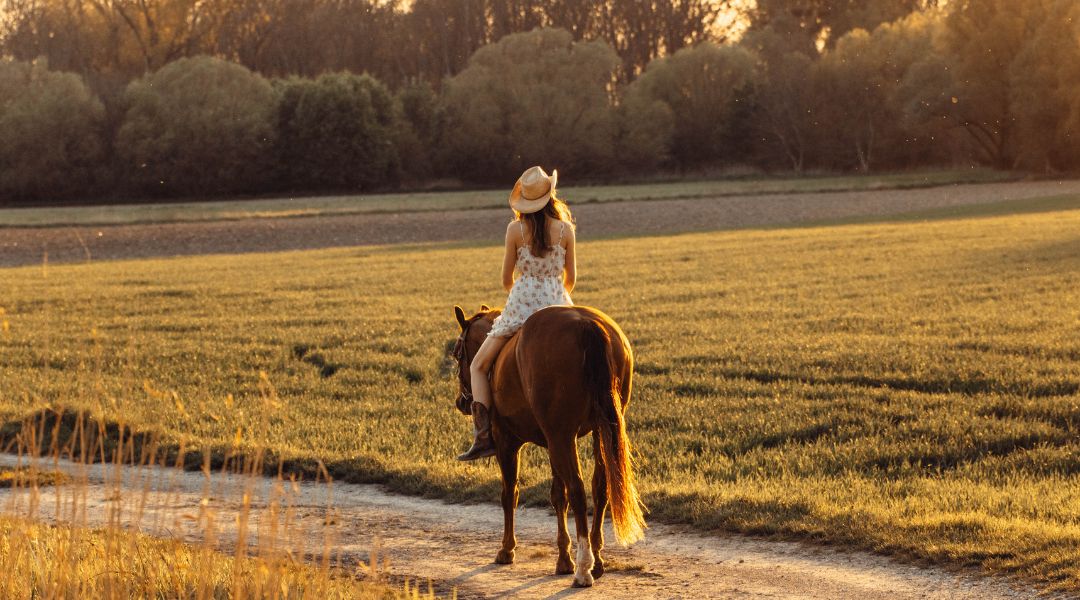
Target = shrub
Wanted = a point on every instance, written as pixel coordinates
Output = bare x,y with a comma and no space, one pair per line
707,87
532,98
51,142
197,125
336,132
646,128
418,131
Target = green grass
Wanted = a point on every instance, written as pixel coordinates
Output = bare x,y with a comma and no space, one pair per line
430,201
909,387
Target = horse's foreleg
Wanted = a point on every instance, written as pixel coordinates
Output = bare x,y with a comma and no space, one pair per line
507,455
600,502
564,565
564,461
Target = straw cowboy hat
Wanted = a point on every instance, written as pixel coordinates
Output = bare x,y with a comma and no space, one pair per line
533,190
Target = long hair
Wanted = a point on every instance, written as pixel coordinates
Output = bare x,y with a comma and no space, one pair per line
537,221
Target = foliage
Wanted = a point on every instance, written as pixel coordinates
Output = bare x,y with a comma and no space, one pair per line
643,137
860,84
908,387
707,90
532,98
1045,95
830,20
460,92
979,39
419,130
336,132
51,133
198,125
1002,79
784,99
396,42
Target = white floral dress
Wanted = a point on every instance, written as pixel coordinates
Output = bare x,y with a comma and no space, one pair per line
540,285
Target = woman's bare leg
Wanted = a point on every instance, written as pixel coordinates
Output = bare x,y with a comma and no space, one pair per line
481,366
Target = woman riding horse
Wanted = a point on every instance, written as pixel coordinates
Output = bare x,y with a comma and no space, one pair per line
567,373
547,275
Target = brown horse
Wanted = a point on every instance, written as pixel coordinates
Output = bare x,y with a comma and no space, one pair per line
565,374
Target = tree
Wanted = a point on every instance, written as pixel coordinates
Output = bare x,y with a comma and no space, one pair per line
783,94
645,130
51,134
336,132
706,88
418,130
531,98
641,31
861,108
963,83
826,21
1044,94
198,125
130,37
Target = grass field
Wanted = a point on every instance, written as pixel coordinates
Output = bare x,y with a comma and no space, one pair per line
428,201
907,387
71,562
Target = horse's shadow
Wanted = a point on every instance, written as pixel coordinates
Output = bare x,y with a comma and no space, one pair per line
519,589
473,573
563,593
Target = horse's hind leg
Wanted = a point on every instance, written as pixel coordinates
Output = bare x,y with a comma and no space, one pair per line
600,502
506,452
564,565
564,461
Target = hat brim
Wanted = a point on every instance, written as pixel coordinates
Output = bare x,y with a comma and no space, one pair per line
520,204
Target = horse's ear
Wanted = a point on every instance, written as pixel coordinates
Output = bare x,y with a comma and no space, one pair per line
460,314
484,308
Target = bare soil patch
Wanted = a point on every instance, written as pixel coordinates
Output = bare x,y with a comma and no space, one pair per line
31,245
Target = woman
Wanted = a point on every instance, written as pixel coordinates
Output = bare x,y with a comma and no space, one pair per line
540,247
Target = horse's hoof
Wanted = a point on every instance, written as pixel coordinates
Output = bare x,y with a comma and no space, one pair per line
598,569
583,581
565,566
504,557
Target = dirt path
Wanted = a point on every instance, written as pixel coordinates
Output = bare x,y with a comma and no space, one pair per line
454,545
24,246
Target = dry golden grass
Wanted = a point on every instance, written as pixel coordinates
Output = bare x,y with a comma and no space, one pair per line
912,388
48,561
82,540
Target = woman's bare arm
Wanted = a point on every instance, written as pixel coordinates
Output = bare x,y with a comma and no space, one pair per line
571,259
510,255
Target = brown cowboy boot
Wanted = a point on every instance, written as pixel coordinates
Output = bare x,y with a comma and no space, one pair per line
482,445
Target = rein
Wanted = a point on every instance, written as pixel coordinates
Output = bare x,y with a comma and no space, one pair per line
461,353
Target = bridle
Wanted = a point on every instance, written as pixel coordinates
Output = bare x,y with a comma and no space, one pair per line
461,353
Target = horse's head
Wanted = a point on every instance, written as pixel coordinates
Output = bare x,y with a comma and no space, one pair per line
473,331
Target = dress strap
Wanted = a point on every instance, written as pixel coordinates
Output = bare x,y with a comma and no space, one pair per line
521,230
562,226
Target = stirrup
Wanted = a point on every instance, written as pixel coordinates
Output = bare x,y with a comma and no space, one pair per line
477,451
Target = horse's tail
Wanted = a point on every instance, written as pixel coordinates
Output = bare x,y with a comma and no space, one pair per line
626,507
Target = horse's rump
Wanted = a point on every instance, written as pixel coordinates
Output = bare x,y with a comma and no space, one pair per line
575,367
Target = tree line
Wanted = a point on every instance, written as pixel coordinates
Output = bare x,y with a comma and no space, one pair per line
397,41
859,85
